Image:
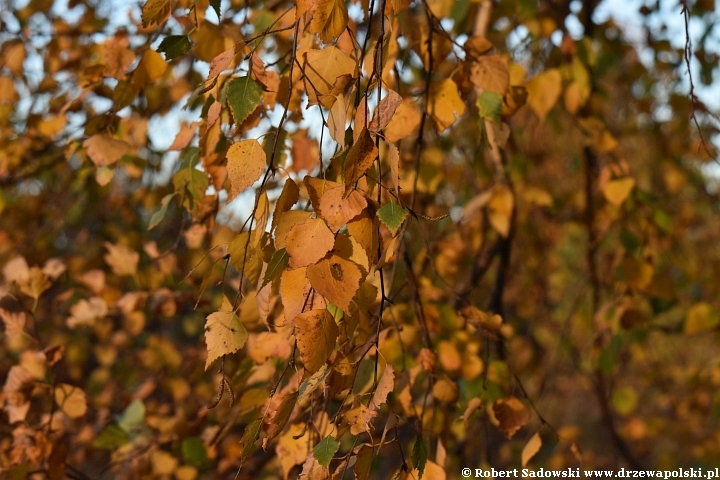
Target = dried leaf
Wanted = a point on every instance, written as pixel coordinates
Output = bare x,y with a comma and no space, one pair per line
315,332
360,157
359,419
511,414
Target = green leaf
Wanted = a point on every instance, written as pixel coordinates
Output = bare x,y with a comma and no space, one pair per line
133,417
194,452
160,214
419,455
490,105
112,438
243,96
325,450
252,432
196,181
189,157
174,46
277,264
392,215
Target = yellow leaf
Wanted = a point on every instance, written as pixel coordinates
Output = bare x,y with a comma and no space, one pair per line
323,71
575,96
105,150
154,12
617,191
337,280
224,334
360,157
293,447
511,414
163,463
445,390
404,121
285,223
246,162
71,400
308,242
151,67
445,103
500,209
544,91
330,17
531,449
121,259
315,332
701,317
209,41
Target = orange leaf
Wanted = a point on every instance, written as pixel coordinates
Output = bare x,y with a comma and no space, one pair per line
337,280
308,242
315,332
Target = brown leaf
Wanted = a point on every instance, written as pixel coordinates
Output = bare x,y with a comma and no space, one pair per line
491,73
511,414
289,197
385,111
360,157
315,332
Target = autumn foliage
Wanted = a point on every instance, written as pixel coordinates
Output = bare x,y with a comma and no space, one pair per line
351,239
